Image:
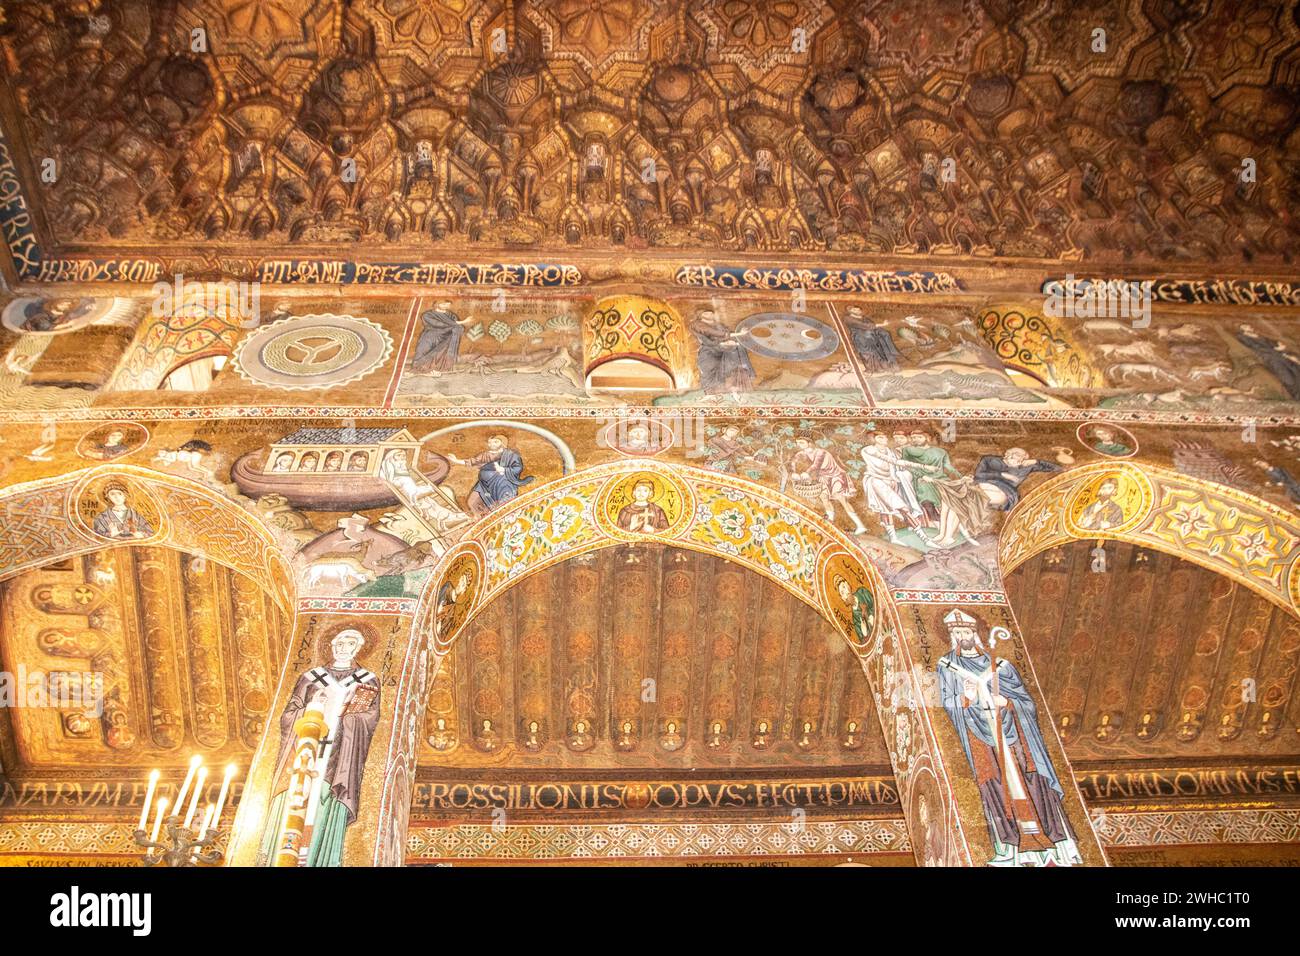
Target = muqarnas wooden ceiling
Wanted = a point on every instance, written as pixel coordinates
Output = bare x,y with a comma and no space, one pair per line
938,128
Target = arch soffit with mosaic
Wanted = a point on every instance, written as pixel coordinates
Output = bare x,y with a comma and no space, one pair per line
1215,526
740,521
49,519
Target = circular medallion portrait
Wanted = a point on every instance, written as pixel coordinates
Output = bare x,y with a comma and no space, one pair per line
56,315
846,593
1108,502
637,437
457,591
929,834
643,504
112,440
1107,439
118,509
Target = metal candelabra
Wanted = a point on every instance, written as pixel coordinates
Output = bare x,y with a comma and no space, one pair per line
182,843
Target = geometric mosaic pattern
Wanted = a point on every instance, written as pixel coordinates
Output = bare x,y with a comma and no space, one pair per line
631,841
44,836
1168,828
698,841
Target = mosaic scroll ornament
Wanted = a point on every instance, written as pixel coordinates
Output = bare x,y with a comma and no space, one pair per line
540,533
633,327
313,351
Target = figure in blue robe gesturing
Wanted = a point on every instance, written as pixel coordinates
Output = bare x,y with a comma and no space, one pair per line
500,475
438,348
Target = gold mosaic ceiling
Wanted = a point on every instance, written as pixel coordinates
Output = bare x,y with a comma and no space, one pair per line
188,652
895,127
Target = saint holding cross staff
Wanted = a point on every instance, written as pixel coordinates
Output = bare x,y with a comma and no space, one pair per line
997,721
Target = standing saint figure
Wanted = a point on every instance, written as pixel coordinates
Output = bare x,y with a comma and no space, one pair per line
500,475
723,362
873,344
348,697
642,514
119,519
996,720
438,348
819,467
889,486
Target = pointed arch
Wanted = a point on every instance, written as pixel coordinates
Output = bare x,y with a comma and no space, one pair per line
740,521
54,518
1220,528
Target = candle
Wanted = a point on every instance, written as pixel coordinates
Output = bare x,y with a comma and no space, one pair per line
221,797
189,778
148,799
158,819
194,797
203,832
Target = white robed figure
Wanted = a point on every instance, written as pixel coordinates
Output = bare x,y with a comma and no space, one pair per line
888,486
396,470
436,507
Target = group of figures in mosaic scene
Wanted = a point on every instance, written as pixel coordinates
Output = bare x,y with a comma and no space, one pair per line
763,351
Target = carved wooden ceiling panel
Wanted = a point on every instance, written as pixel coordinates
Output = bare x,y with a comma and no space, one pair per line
1108,131
189,653
1157,657
650,657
